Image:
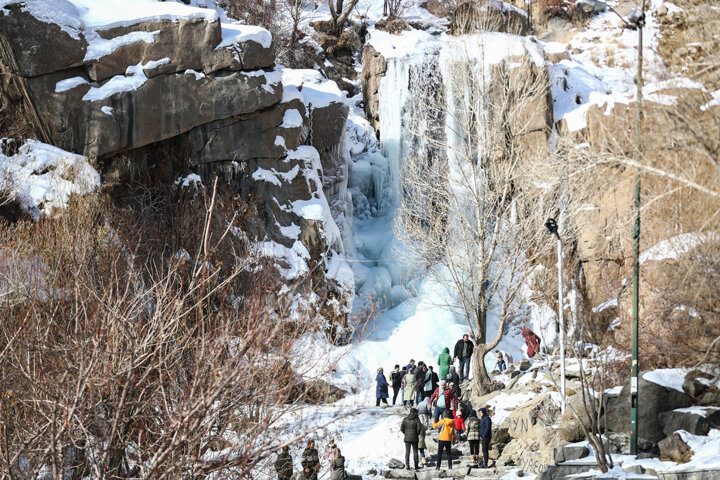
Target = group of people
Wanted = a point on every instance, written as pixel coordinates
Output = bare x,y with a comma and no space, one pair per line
310,462
416,382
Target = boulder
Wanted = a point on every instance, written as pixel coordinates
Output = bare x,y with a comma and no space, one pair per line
693,385
530,421
673,448
524,364
124,114
655,399
571,431
695,420
570,452
710,398
395,463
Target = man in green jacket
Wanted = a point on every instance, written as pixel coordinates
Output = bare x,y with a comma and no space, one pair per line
444,361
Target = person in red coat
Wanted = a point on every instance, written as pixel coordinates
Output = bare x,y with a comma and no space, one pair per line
532,341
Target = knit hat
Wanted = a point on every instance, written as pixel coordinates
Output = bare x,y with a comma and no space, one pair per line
473,413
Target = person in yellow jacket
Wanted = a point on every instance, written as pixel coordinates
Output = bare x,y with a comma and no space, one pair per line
447,437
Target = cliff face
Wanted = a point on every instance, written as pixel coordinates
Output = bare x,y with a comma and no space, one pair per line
127,86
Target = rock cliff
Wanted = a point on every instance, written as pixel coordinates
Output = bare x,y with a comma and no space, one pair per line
123,86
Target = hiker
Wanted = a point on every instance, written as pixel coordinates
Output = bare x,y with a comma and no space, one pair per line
424,411
284,464
337,467
381,391
408,384
472,426
395,380
434,379
463,352
420,381
485,434
500,361
428,384
459,424
442,399
532,341
444,361
454,379
447,436
330,449
310,461
411,365
421,444
411,427
402,385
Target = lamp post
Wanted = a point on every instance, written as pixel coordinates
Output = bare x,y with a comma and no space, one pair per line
636,19
552,227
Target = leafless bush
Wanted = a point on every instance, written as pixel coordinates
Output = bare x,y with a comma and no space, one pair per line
152,346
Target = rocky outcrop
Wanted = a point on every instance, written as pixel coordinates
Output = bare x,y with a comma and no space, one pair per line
172,89
374,68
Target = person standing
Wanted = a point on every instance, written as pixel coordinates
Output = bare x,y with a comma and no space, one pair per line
444,361
424,411
284,464
434,379
500,361
420,381
532,341
421,444
310,461
485,434
472,427
411,428
409,388
454,379
463,352
330,450
337,467
381,391
395,379
447,436
442,399
459,424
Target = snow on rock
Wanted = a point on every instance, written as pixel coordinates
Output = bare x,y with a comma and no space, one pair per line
232,34
133,79
69,84
99,47
668,377
191,179
309,86
705,449
292,119
42,178
697,410
675,246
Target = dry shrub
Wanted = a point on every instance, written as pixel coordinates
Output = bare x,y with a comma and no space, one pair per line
122,355
564,9
394,25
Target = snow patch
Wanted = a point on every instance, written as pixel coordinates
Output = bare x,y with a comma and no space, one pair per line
133,79
673,247
191,179
668,377
99,47
69,84
233,33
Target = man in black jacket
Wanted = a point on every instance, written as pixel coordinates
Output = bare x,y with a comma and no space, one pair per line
284,465
410,426
396,377
485,434
463,351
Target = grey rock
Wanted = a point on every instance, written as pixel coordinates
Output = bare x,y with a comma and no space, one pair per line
694,423
710,398
637,468
374,68
163,107
241,138
524,364
242,56
655,399
675,449
395,463
429,474
567,453
692,384
48,49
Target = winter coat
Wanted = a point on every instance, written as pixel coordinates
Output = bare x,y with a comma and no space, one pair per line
450,400
396,377
532,341
420,380
421,436
454,378
424,407
444,361
447,432
284,466
458,352
435,381
338,469
409,387
410,426
381,391
472,426
459,423
428,381
310,462
485,425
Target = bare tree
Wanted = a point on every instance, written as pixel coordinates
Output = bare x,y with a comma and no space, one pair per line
340,11
472,209
140,359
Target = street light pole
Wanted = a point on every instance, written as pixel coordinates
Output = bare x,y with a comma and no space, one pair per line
552,226
636,242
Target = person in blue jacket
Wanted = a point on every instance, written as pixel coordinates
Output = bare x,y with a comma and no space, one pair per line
381,391
485,434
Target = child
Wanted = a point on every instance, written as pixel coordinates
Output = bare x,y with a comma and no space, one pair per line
459,424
